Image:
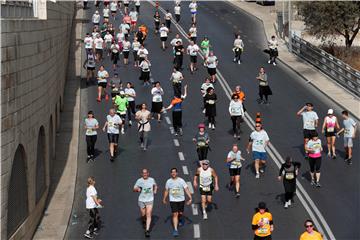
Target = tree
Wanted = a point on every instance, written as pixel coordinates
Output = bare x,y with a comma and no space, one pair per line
323,18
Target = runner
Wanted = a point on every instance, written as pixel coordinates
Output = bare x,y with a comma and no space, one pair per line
116,86
125,26
175,40
193,50
211,63
205,47
314,148
310,233
142,53
168,18
208,182
126,50
96,18
108,39
94,33
90,65
130,95
310,122
115,51
145,70
89,43
264,88
258,140
122,105
329,127
210,107
349,130
157,101
179,53
120,37
92,205
202,141
99,45
106,13
126,6
233,160
176,79
288,172
163,36
157,20
112,124
102,83
137,6
238,49
141,33
103,29
176,103
134,17
135,47
262,223
147,187
91,125
113,8
193,33
175,188
193,10
143,116
241,95
273,44
177,11
111,29
236,111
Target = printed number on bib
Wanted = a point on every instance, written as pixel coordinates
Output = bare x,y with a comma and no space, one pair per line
289,176
175,192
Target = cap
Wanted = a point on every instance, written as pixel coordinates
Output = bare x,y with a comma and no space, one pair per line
330,111
262,205
122,93
205,161
201,125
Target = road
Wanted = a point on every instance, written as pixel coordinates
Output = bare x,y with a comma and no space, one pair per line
337,200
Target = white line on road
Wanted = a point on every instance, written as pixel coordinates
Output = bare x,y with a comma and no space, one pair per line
185,170
181,156
196,231
194,208
172,130
167,119
176,142
191,189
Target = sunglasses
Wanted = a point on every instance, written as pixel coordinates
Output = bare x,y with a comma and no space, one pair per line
205,164
257,126
309,226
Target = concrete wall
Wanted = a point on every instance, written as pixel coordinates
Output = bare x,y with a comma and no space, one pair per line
34,65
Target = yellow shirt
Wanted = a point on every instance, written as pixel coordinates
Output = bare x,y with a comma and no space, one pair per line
314,236
264,230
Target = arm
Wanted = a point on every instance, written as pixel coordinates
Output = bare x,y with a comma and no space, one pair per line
155,188
249,146
281,172
166,194
196,178
216,179
105,126
185,92
323,126
301,111
188,193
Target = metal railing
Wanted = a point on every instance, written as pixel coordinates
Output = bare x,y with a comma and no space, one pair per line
339,71
17,9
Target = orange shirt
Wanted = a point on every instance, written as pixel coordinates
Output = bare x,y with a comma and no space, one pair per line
240,94
313,236
175,101
265,218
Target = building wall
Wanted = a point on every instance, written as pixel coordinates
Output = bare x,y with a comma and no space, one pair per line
33,74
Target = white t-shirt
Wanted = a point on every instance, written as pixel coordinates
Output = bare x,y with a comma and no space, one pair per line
237,162
98,43
120,36
175,40
102,75
164,31
145,66
142,52
238,43
108,38
168,16
137,2
126,46
157,94
113,124
89,42
147,189
90,192
90,124
133,15
136,46
259,140
124,28
273,44
193,49
115,48
177,10
96,18
94,34
176,76
113,6
176,189
193,32
106,12
309,119
193,7
349,127
129,91
211,61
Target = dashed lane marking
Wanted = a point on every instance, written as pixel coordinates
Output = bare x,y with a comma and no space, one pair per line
172,130
185,170
167,119
196,231
181,156
194,208
176,142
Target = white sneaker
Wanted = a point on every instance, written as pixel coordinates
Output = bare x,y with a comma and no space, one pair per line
205,215
213,126
234,59
209,125
130,123
289,203
286,205
122,131
204,111
257,175
274,63
269,61
239,62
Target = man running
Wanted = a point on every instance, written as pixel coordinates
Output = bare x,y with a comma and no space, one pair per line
122,104
349,130
193,50
147,187
96,18
179,53
273,44
176,79
176,188
238,49
262,223
143,117
168,17
89,43
205,47
236,110
233,160
202,140
99,46
211,63
258,140
163,35
208,182
112,124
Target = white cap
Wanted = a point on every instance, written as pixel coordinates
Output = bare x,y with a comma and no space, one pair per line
330,111
122,92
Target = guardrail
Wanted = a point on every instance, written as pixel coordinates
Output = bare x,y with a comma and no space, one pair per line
339,71
16,9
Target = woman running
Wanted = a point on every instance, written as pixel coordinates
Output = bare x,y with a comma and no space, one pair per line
143,116
211,63
238,49
102,82
314,148
131,95
157,103
329,127
126,50
145,71
157,19
91,125
163,35
193,33
236,111
115,51
135,47
210,107
264,88
202,140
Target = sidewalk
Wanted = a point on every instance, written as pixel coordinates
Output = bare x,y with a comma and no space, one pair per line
57,214
327,86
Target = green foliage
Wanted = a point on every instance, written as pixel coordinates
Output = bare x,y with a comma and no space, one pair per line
323,18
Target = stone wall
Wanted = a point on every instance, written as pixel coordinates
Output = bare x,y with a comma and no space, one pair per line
33,74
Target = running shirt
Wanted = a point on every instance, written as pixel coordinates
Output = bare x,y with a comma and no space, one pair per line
330,123
147,189
349,127
168,16
273,44
122,104
164,31
129,91
115,48
102,76
236,163
238,43
113,124
96,18
211,61
99,43
311,236
94,34
143,123
108,38
157,94
201,139
124,28
113,6
177,10
90,124
126,46
176,189
193,7
259,139
193,50
175,40
90,193
89,42
142,52
315,147
134,16
91,61
136,46
193,32
309,118
106,12
176,77
178,50
236,108
204,88
145,66
205,45
205,179
265,218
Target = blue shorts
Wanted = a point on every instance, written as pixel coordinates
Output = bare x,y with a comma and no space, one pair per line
259,155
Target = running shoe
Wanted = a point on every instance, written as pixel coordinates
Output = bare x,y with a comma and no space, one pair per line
237,195
175,233
181,222
147,233
257,175
88,235
262,170
205,217
312,182
286,205
317,184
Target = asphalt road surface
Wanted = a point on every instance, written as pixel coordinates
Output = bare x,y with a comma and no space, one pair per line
230,218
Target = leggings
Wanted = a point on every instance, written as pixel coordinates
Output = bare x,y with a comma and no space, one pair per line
94,219
144,136
168,23
288,196
202,152
177,89
177,122
178,61
177,17
236,124
273,55
211,119
90,142
238,54
315,164
131,109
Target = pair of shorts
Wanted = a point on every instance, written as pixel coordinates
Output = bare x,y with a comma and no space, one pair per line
348,142
262,238
145,204
329,134
126,54
211,71
235,171
163,39
207,193
309,133
193,59
113,12
193,12
259,155
133,22
113,138
177,206
126,4
102,84
90,68
99,51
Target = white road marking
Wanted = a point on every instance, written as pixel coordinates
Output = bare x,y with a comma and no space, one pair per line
176,142
185,170
181,156
167,119
196,231
191,189
311,207
172,130
194,208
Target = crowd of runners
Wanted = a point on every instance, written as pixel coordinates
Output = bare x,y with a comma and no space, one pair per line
107,41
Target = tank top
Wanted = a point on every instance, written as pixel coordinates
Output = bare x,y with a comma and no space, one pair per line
205,178
91,60
289,172
330,123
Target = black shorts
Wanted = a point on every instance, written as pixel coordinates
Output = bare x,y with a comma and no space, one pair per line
126,54
193,59
102,84
99,51
90,68
207,193
329,134
113,12
235,171
262,238
113,138
163,39
126,4
211,71
309,133
177,206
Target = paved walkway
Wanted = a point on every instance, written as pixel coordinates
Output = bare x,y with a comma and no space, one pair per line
337,93
57,215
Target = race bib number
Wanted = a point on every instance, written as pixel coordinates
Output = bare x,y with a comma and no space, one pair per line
211,102
111,124
205,189
289,176
175,192
262,230
89,131
259,142
178,53
147,190
201,144
158,99
330,129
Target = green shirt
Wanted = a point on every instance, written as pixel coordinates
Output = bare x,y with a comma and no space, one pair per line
205,44
121,103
